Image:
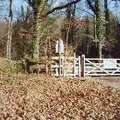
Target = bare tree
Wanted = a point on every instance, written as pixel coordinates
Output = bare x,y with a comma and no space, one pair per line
8,53
40,16
99,11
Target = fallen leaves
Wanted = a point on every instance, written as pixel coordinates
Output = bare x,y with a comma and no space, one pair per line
40,97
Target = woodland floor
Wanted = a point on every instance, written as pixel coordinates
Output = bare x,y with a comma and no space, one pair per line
41,97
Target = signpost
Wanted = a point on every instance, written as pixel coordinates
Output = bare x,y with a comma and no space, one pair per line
59,46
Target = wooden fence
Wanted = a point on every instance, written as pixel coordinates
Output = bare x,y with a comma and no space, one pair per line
81,66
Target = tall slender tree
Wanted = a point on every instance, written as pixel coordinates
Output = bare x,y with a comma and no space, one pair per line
9,44
107,19
100,24
99,11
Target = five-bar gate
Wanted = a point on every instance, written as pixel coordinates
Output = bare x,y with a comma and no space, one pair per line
101,67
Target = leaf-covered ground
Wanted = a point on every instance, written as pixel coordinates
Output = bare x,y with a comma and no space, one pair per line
40,97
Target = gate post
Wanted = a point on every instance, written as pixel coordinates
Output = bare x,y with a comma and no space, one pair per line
79,67
74,65
60,65
83,65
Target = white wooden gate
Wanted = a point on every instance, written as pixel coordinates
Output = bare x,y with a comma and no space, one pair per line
66,66
101,67
81,66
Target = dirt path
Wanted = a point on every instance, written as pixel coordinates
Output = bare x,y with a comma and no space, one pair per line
109,81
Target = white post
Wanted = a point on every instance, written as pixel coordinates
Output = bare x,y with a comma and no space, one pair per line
79,66
74,65
60,64
57,69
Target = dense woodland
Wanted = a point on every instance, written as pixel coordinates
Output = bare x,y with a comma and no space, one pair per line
86,27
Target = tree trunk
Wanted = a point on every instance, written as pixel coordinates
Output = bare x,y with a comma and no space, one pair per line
8,53
36,47
100,50
71,15
107,25
100,21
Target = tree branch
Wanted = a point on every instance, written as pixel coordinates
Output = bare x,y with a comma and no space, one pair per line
91,6
62,6
29,2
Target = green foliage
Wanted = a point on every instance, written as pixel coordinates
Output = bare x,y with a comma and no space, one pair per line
7,66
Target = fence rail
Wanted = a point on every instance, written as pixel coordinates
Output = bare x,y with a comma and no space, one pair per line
81,66
102,66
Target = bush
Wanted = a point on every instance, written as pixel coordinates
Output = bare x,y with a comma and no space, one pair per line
8,66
